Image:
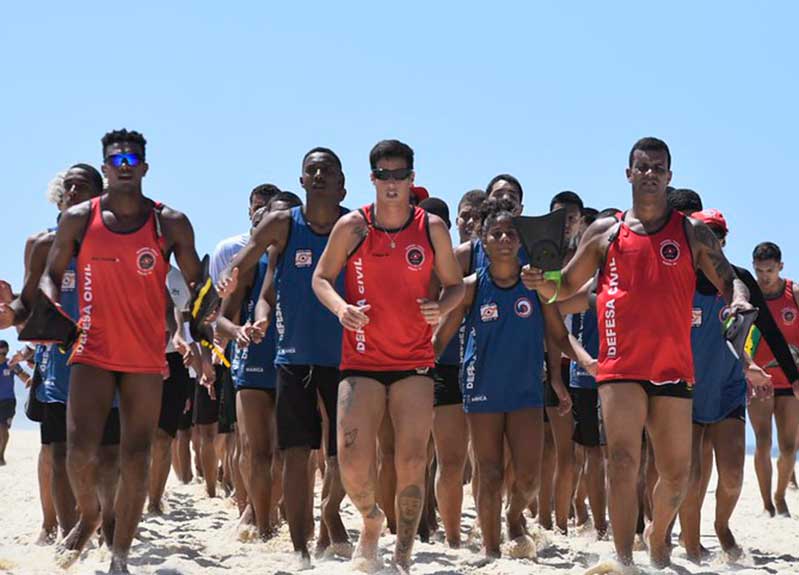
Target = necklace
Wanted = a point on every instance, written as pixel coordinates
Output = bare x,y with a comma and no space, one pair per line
391,238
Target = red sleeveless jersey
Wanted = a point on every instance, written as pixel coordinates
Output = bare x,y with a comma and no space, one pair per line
644,301
122,298
390,270
786,314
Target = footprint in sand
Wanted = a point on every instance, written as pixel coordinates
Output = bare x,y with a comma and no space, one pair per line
611,567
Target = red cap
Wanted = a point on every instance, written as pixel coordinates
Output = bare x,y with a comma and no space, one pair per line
711,217
419,193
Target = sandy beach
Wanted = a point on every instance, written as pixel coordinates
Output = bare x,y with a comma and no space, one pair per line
198,535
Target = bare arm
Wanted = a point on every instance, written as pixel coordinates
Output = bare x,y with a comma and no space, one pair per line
448,272
272,231
580,269
552,335
710,258
346,234
228,325
267,297
36,250
463,253
451,322
579,302
69,235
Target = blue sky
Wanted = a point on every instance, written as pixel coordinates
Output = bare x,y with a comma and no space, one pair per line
553,92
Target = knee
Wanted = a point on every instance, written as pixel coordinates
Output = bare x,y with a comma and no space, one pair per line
526,482
411,463
763,437
134,449
623,461
491,475
450,464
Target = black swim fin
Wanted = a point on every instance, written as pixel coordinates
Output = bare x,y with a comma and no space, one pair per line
48,323
542,237
204,302
736,328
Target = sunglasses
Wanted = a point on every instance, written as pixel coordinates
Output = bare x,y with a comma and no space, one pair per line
386,175
117,160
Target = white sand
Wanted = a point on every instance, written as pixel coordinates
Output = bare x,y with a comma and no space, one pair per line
197,535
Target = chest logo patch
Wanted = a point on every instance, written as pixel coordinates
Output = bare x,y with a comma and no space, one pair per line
788,315
145,261
669,252
414,256
303,258
696,317
523,307
489,312
68,281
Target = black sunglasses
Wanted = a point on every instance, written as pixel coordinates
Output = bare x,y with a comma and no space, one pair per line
385,175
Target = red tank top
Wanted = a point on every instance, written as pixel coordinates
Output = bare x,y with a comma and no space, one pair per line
122,298
786,314
644,301
390,279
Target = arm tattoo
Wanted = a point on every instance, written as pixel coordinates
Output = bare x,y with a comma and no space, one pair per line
361,230
721,266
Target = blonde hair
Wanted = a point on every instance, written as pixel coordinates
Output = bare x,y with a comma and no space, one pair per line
55,189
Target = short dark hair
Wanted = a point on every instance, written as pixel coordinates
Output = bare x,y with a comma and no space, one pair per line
438,207
608,213
124,136
266,191
566,198
589,215
323,150
508,178
767,251
3,343
284,196
494,208
473,198
390,149
650,145
95,178
684,200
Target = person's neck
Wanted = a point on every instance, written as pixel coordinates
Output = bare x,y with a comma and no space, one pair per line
774,291
321,214
650,210
125,202
504,273
391,216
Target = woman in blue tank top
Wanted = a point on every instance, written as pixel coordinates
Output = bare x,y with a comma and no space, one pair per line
506,330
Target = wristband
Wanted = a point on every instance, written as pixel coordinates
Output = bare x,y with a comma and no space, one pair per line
555,276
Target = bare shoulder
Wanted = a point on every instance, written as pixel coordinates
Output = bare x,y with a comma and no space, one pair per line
76,217
699,234
437,226
352,223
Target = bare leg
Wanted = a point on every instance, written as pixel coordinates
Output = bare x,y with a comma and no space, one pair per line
595,483
691,508
256,412
624,410
62,495
580,485
786,414
729,440
295,496
160,463
760,416
361,407
108,481
239,487
139,408
488,430
562,430
182,456
669,427
91,392
545,493
450,434
524,430
50,516
208,458
387,473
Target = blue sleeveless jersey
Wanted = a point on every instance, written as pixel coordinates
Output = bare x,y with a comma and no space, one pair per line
720,384
452,353
503,360
307,332
585,329
55,386
480,257
254,366
6,382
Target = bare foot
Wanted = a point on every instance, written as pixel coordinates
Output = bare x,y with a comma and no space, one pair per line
119,564
781,507
343,550
581,513
769,508
697,555
365,556
545,521
522,547
155,508
68,551
47,536
612,567
659,551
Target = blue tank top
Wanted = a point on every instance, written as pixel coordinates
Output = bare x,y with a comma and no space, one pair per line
55,383
503,360
480,259
307,332
585,329
254,366
6,382
452,353
720,384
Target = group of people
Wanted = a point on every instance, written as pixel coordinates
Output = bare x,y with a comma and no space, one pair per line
360,344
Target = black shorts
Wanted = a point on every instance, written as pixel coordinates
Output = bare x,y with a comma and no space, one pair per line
206,410
227,400
388,377
783,392
299,422
738,413
185,421
54,427
680,389
550,397
173,395
585,409
8,407
447,386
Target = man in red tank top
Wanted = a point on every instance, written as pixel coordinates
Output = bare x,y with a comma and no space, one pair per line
644,299
390,250
122,244
782,298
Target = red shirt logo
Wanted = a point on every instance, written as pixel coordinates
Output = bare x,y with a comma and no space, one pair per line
145,261
669,252
414,256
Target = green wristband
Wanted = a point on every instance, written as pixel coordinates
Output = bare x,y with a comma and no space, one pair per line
556,277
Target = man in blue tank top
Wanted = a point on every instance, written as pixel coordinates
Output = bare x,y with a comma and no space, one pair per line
308,345
8,401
